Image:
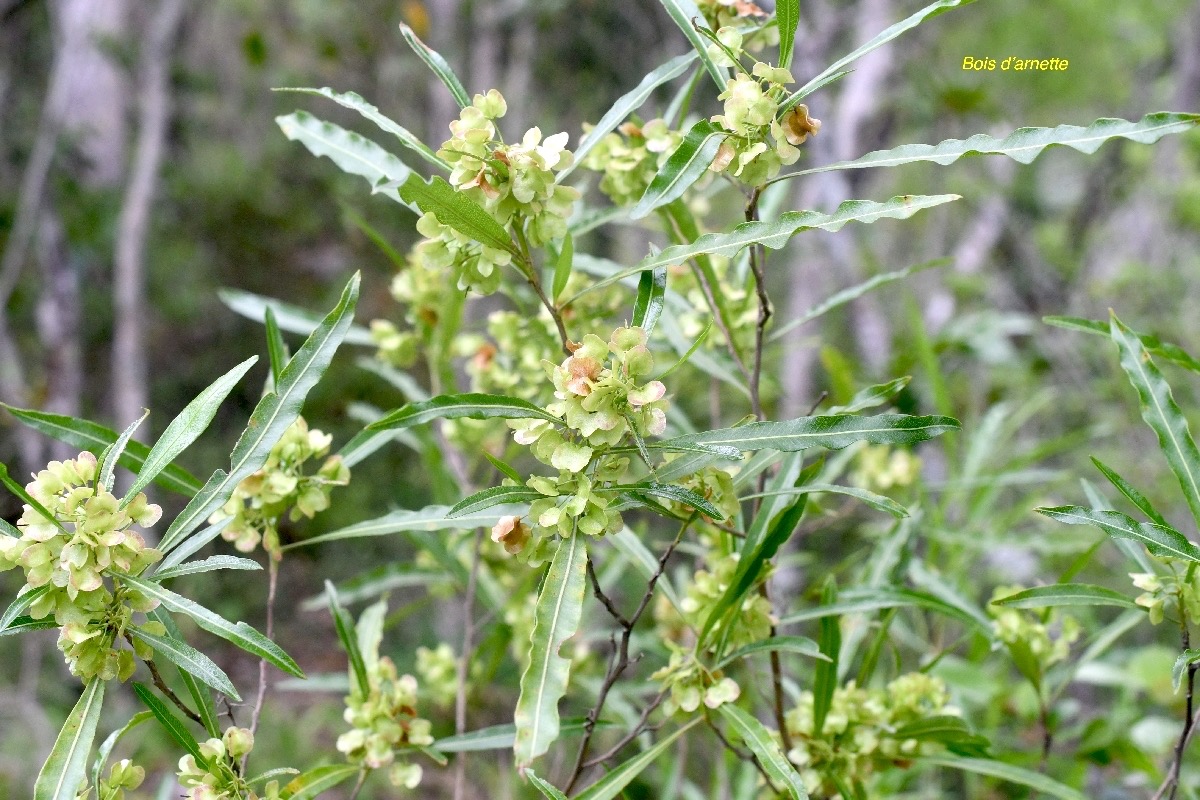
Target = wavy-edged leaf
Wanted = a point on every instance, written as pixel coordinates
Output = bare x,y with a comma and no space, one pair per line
687,17
776,233
1024,144
273,415
547,789
787,15
556,619
611,785
1160,540
1005,772
452,406
1171,352
830,432
355,102
801,645
290,318
352,153
673,493
1066,594
877,501
455,209
22,602
23,624
66,767
348,637
430,518
497,495
763,745
112,454
626,105
1161,413
239,633
206,565
438,65
106,748
190,660
187,427
1132,494
94,438
651,297
885,36
686,165
1182,664
502,737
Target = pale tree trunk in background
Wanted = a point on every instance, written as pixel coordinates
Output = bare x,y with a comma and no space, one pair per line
129,380
58,326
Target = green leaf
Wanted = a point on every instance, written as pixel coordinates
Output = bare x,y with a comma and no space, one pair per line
277,349
883,38
453,406
355,102
763,745
556,619
493,497
611,785
192,545
872,396
1160,540
456,210
8,529
503,467
112,454
626,105
319,779
352,153
107,746
502,737
562,265
1171,352
776,233
190,660
1005,772
830,432
187,427
1024,144
435,62
1066,594
205,707
26,623
94,438
825,674
1186,659
628,544
240,634
1161,413
430,518
206,565
1132,494
66,767
270,419
787,15
688,17
22,602
686,165
876,501
547,789
651,297
29,499
171,723
800,645
290,318
858,601
349,639
673,493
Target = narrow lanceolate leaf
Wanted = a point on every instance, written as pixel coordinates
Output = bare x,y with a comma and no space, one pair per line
1171,352
627,104
687,17
763,745
108,462
628,544
830,432
352,153
683,167
190,660
28,499
348,637
8,529
563,265
319,779
171,723
651,297
774,234
24,624
453,406
23,601
872,396
548,790
187,427
787,14
438,65
502,737
106,747
876,501
556,619
206,707
675,494
239,633
193,545
1161,413
1006,772
355,102
800,645
1132,494
277,349
206,565
825,674
66,767
1182,664
1159,540
273,415
1066,594
455,209
497,495
430,518
288,317
885,36
94,438
612,784
858,601
1024,144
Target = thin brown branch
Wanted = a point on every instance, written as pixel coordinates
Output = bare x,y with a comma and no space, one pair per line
161,685
272,586
637,730
758,265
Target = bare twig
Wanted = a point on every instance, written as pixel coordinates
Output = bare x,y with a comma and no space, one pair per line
464,660
1170,786
272,585
157,677
758,266
637,730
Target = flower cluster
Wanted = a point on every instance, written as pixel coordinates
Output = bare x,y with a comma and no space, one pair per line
422,287
122,776
510,360
630,158
218,776
859,734
751,623
383,716
1045,637
760,140
881,469
720,13
691,684
439,673
1160,592
261,500
88,535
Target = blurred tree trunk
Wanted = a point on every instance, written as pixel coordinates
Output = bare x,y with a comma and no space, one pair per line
130,393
